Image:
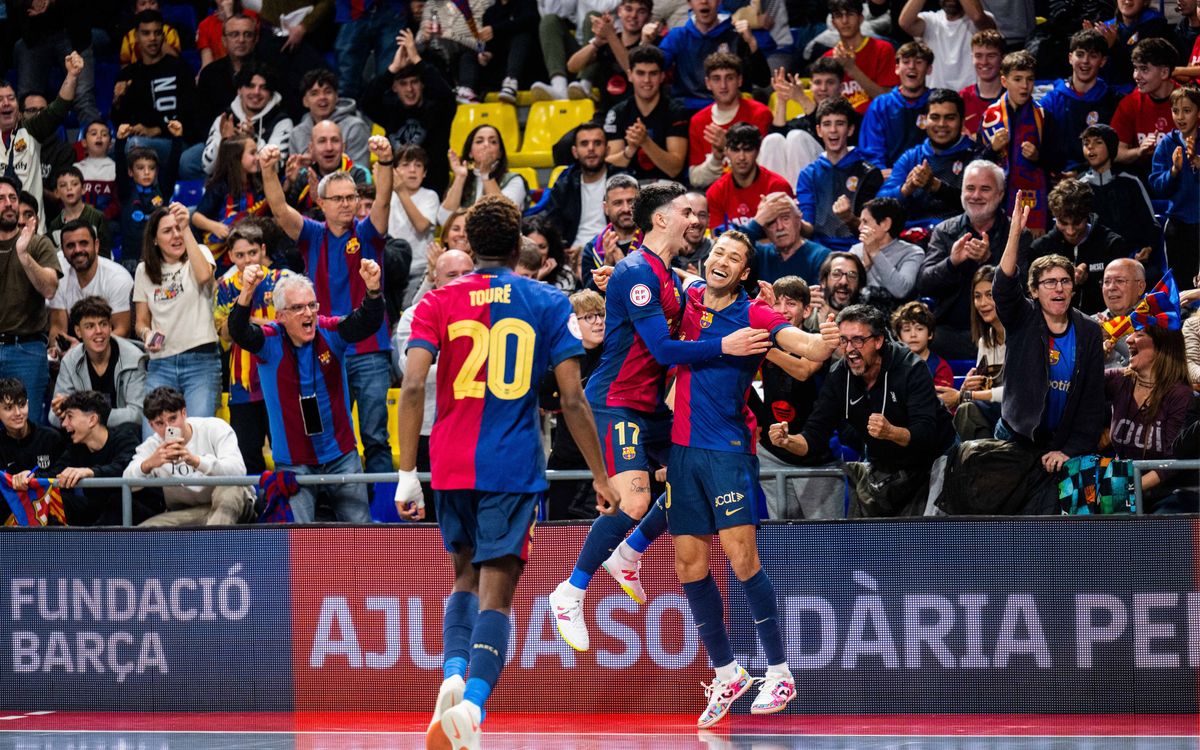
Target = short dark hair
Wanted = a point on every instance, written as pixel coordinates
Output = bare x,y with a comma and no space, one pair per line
826,65
845,6
90,307
1021,60
11,180
318,76
888,208
914,312
915,49
1105,133
946,96
652,198
71,170
647,54
247,231
408,71
89,402
1157,52
76,224
32,92
869,315
743,135
411,152
494,227
836,106
162,399
827,266
589,126
141,153
29,199
251,69
1089,40
149,16
745,241
12,391
722,61
792,287
1072,200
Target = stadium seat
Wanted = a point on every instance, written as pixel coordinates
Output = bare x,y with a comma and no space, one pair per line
793,107
530,175
547,123
503,117
555,174
524,98
189,192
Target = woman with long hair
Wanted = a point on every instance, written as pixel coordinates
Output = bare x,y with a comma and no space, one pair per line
232,193
482,170
977,401
548,241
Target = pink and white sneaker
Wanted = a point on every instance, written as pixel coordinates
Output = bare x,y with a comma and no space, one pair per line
721,696
776,692
628,575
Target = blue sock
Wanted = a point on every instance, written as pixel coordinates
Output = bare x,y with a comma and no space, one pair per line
458,620
652,527
760,594
704,599
604,536
489,646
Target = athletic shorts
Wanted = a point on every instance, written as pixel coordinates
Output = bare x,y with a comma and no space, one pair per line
494,524
632,440
710,490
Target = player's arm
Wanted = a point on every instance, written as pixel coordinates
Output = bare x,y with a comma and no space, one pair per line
578,416
667,351
813,346
799,368
410,501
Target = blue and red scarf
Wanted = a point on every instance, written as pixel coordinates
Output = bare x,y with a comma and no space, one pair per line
1026,179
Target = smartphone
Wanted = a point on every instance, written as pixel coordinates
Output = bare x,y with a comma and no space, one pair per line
157,339
173,433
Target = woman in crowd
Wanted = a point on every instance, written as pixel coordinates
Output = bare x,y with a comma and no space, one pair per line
977,401
233,193
892,264
554,270
483,170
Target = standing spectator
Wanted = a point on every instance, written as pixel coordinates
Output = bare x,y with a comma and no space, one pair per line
182,446
780,247
1076,102
414,210
895,120
1187,30
708,128
1123,286
734,199
89,275
447,33
869,62
102,362
364,27
686,50
1133,23
24,445
321,98
232,193
325,155
1012,128
1120,198
99,171
576,202
48,31
1143,117
948,32
29,274
215,85
288,49
212,40
1015,19
256,111
143,198
987,49
129,49
56,154
1079,238
892,263
647,133
482,170
303,365
976,403
509,35
793,143
172,302
912,323
1175,175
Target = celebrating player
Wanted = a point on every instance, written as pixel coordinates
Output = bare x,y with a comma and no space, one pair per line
496,332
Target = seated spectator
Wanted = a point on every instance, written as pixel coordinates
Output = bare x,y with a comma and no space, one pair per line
446,33
987,49
1150,400
215,84
648,132
256,111
793,144
105,363
1133,23
686,50
948,31
1123,286
28,208
1175,175
696,243
143,198
415,105
869,62
172,302
363,28
482,170
620,236
1076,102
325,155
842,277
552,260
24,445
912,323
927,179
1120,198
1078,236
1012,130
322,440
892,263
413,216
1143,117
883,391
779,246
232,193
957,247
1058,415
129,47
211,32
832,190
99,171
976,403
247,409
87,275
576,202
605,60
1185,34
708,128
508,30
56,154
895,120
181,446
69,191
734,199
319,89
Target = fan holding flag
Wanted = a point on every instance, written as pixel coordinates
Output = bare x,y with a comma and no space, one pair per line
25,448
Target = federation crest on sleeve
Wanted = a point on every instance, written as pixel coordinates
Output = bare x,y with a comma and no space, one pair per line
628,452
639,295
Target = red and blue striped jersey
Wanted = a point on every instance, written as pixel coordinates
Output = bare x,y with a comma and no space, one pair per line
628,376
288,373
495,334
710,397
332,264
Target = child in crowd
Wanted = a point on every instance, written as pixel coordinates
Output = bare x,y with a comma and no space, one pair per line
1175,175
413,217
1143,117
1012,129
144,198
232,193
129,50
69,191
1078,101
1119,198
1135,21
99,171
870,63
913,324
987,49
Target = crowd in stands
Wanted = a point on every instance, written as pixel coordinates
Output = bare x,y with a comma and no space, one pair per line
251,198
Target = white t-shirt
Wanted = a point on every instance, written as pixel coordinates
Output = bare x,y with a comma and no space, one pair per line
951,45
400,227
591,214
213,442
179,307
112,282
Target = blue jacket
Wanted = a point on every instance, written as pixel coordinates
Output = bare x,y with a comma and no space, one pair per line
685,48
1068,113
891,126
821,183
947,166
1181,191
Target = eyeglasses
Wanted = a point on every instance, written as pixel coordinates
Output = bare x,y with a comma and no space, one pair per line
1117,281
854,342
300,307
1059,283
838,273
593,318
341,198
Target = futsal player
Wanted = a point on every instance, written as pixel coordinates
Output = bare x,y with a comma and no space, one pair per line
712,474
642,312
496,333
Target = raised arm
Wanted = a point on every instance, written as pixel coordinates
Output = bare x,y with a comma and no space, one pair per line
289,218
245,333
381,147
910,17
1008,261
202,270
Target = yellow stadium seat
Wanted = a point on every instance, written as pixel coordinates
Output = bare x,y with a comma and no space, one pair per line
554,175
524,98
503,117
793,107
530,175
548,122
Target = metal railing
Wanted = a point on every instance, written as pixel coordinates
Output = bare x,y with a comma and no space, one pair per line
779,475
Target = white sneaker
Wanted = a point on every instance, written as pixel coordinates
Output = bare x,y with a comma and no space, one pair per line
776,692
568,616
508,91
553,91
457,730
627,574
466,95
721,696
579,90
449,694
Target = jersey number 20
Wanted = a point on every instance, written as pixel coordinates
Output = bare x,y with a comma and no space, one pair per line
490,347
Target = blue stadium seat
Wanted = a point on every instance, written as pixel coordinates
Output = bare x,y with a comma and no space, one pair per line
189,192
961,366
183,18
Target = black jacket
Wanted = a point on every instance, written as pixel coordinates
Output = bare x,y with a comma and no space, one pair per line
158,93
426,125
1101,246
1026,367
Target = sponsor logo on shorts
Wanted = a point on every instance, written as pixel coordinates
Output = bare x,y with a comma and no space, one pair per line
729,498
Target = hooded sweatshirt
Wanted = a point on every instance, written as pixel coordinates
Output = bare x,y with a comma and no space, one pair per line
893,124
821,183
947,165
355,132
272,127
1182,191
1069,113
685,49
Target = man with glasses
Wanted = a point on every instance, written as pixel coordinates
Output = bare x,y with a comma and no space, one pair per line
1123,285
842,278
734,198
215,85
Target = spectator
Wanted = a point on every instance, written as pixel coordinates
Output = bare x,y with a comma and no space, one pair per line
869,62
1015,19
247,409
696,243
976,403
509,35
1150,400
1134,23
99,171
892,263
56,154
957,247
734,198
883,391
29,275
1187,30
787,253
414,210
647,133
1058,415
948,32
215,85
1123,286
144,198
841,278
447,33
708,128
46,33
256,111
289,50
605,60
927,179
831,190
482,170
69,184
103,362
987,49
1118,197
686,50
912,323
415,105
320,96
89,275
182,446
620,236
24,445
1191,335
552,262
1012,130
793,144
129,48
334,251
1076,102
1175,175
27,208
322,440
576,202
363,28
232,193
326,154
1143,117
1078,237
895,120
172,302
211,34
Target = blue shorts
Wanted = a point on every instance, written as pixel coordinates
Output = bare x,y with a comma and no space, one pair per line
632,440
710,490
494,524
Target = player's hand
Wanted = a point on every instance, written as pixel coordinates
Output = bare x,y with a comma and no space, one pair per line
746,342
371,274
831,337
660,474
1000,139
608,502
601,276
410,499
1053,461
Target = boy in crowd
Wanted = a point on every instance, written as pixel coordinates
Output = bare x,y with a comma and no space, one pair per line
869,62
1119,197
707,128
1075,103
987,49
24,446
69,191
648,132
1143,117
1012,129
948,32
733,199
913,324
895,121
99,171
793,144
1077,237
105,363
144,198
1134,22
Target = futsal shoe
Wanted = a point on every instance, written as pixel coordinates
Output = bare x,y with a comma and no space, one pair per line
568,617
776,692
627,574
458,730
449,694
721,696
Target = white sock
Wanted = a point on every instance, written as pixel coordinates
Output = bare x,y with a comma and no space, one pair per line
729,672
572,591
627,553
559,82
778,670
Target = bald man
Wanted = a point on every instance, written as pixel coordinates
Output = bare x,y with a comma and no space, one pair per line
326,153
1124,284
